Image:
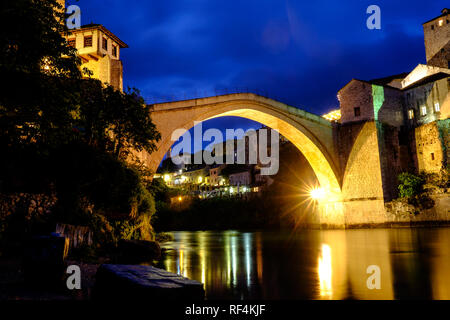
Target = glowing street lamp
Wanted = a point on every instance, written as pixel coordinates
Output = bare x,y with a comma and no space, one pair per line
317,193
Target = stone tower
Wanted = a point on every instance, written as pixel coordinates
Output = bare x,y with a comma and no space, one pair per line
99,50
437,40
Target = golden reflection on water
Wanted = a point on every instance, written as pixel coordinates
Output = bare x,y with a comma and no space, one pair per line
325,271
351,253
440,271
326,264
259,259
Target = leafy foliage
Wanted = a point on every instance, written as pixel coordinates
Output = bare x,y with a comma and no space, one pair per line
65,134
115,121
411,189
31,39
81,171
410,185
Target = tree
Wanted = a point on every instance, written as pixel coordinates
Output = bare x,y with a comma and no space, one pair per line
115,121
46,102
36,102
31,39
78,130
410,185
131,126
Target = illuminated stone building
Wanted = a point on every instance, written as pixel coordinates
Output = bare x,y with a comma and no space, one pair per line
437,34
410,113
99,50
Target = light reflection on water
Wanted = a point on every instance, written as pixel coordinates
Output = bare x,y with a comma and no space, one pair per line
314,264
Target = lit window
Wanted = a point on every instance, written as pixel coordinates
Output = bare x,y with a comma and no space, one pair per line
441,22
437,107
410,114
423,110
88,41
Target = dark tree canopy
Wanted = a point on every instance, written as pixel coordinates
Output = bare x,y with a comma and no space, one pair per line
45,101
58,129
31,39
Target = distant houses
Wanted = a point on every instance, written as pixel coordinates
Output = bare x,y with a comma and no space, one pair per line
205,181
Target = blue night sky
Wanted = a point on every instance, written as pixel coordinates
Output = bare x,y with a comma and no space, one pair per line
298,52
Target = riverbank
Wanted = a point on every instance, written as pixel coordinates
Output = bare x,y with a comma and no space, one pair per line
13,284
397,213
14,287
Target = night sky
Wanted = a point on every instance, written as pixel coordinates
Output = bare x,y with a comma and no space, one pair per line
298,52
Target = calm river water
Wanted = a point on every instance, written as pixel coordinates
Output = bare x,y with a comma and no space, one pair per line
314,264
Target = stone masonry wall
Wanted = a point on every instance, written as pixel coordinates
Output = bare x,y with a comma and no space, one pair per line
442,58
444,136
345,137
356,94
117,74
427,95
391,110
436,36
362,176
390,160
429,147
397,212
375,213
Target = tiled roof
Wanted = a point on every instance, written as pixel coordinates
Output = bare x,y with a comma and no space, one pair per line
103,29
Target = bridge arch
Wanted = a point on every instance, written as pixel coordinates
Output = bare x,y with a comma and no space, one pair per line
311,134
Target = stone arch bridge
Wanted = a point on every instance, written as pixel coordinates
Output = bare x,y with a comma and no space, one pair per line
313,135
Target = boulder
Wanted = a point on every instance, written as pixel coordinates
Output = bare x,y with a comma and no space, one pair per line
44,259
135,282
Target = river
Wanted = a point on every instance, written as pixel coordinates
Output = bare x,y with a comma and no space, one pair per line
403,263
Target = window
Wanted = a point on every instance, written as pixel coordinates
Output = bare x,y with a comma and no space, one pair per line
105,44
357,111
437,107
411,114
72,42
423,110
432,27
432,156
87,41
441,22
114,50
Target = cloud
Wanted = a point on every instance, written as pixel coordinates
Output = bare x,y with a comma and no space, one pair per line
300,53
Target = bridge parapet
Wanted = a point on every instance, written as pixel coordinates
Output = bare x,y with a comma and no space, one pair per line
201,102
